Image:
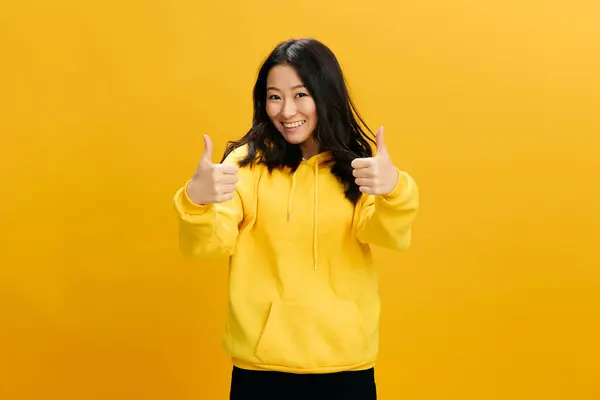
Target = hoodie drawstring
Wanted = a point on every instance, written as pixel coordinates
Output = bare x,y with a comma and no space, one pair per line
289,210
315,206
316,213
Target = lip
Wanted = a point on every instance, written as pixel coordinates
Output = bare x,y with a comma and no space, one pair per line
294,129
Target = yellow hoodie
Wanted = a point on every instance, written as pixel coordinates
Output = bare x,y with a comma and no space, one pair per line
303,293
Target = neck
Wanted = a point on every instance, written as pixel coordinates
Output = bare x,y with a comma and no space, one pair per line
309,148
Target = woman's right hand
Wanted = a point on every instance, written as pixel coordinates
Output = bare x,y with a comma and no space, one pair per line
212,183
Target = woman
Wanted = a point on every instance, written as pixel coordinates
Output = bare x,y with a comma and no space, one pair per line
296,203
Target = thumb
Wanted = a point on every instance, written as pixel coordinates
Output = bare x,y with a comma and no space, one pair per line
208,149
381,149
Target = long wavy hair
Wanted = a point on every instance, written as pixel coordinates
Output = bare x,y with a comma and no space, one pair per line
339,129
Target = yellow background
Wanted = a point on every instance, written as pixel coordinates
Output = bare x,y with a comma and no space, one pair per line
493,106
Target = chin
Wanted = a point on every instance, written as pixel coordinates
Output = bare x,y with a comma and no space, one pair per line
294,140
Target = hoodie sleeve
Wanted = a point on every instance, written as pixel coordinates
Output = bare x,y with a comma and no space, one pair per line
210,231
386,220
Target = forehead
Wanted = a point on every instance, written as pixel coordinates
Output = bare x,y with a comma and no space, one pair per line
283,77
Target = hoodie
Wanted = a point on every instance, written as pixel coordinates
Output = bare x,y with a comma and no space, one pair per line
303,291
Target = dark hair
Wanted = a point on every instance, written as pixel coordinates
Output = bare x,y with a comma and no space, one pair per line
337,129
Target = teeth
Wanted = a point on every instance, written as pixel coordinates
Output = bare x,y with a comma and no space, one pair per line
293,124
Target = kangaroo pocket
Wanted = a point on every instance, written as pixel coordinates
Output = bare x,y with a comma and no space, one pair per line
303,335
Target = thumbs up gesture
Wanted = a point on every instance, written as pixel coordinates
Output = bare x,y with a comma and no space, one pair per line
376,175
212,183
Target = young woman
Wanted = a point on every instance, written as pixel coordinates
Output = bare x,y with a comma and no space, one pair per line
297,204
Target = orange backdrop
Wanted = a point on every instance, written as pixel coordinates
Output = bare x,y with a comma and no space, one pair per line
493,106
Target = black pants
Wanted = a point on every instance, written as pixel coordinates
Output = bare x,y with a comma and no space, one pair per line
267,385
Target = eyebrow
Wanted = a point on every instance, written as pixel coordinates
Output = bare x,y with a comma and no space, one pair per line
293,87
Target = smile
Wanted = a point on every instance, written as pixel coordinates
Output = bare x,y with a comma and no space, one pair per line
295,124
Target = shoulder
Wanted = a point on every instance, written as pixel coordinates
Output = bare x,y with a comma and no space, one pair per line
237,155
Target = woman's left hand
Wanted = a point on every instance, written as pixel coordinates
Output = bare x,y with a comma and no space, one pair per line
376,175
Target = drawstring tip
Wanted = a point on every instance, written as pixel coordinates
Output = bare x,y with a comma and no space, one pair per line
288,216
315,266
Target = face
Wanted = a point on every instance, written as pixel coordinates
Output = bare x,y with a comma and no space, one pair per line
291,108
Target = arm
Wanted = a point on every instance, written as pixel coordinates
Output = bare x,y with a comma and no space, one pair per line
385,220
211,230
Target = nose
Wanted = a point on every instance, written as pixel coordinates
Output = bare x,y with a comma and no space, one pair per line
289,109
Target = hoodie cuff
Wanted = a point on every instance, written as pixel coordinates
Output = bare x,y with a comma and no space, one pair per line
400,191
189,207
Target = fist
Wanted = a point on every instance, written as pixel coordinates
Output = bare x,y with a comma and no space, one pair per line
376,175
212,183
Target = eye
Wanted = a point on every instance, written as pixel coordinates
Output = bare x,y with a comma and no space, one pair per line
298,95
273,97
